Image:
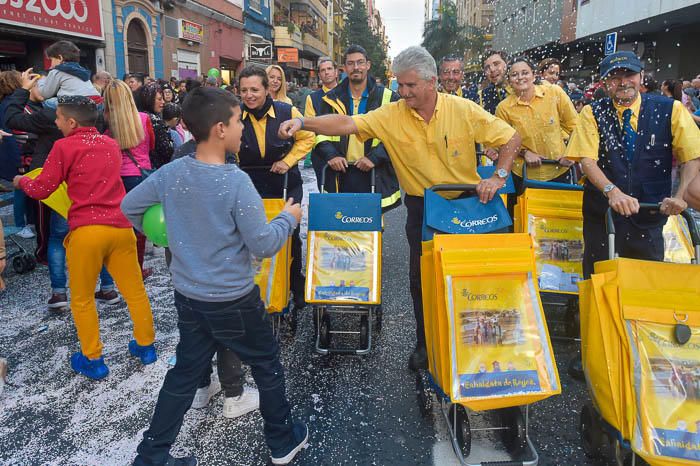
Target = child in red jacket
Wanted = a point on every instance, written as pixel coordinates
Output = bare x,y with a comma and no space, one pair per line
99,234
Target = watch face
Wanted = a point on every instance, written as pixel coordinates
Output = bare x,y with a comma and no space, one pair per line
502,173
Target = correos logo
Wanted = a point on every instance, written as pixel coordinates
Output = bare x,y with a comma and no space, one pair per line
345,219
476,222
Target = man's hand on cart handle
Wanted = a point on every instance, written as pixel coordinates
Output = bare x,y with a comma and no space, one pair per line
279,167
4,134
338,164
672,206
622,203
532,159
364,164
492,154
564,162
293,208
488,188
289,128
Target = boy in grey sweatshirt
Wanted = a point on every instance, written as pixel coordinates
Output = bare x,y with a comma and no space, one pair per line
66,76
215,221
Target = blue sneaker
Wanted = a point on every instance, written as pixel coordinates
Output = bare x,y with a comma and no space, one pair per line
147,354
300,432
95,369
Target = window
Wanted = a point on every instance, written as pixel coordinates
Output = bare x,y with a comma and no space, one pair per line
255,4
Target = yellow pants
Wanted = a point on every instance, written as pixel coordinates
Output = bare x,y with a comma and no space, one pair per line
87,249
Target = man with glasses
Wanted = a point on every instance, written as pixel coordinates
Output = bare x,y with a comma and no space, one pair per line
452,76
350,158
626,144
328,76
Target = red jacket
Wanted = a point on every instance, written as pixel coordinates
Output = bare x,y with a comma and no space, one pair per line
89,163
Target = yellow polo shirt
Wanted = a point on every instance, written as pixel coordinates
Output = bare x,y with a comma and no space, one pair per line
435,152
303,140
685,142
541,123
356,148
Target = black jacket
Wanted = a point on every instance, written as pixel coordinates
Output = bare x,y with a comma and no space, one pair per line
42,123
338,101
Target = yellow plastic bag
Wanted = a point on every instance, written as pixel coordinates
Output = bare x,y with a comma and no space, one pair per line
58,200
678,247
343,267
272,273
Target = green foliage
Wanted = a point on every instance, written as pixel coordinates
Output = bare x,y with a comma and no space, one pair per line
444,35
357,31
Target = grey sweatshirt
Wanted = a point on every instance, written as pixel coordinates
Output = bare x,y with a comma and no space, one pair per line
215,221
59,83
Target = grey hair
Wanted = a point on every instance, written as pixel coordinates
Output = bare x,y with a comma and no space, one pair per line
418,59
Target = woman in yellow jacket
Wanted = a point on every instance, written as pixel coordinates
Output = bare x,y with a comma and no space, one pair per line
543,116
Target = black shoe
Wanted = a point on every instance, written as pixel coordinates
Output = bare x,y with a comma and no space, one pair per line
418,359
185,461
575,369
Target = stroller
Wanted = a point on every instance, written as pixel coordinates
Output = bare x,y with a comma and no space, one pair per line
343,264
551,213
483,322
640,341
272,273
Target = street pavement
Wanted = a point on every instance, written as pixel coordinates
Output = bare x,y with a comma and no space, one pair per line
360,410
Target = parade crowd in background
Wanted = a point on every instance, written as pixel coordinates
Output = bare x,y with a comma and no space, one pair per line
208,151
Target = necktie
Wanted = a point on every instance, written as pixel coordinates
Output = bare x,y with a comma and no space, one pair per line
629,135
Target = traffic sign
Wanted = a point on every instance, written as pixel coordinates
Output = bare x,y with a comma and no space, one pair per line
610,43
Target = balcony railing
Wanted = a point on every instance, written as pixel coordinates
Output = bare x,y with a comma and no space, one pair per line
311,41
283,38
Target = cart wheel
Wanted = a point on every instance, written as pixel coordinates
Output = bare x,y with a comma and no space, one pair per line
379,314
514,436
325,331
364,332
572,319
18,264
592,434
462,429
31,262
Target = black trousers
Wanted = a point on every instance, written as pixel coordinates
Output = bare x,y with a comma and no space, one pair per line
631,241
414,225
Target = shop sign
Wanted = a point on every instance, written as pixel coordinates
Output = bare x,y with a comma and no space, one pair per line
287,55
260,51
82,18
188,30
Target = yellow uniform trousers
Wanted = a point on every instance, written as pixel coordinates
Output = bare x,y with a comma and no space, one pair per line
87,249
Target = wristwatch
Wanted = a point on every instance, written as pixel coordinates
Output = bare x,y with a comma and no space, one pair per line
502,173
608,188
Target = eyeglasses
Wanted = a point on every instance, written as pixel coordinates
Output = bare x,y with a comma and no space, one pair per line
455,72
355,64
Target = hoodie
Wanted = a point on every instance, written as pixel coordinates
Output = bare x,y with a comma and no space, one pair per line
68,78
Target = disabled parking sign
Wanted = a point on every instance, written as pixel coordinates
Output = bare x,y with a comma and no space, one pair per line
610,43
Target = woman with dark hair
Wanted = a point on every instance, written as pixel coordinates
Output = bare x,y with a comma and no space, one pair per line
169,95
149,100
672,88
261,147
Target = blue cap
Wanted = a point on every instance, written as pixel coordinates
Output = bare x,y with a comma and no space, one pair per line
625,60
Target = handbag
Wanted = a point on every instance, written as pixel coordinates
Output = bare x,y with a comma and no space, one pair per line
145,173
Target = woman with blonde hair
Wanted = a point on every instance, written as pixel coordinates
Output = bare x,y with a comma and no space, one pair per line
278,84
133,132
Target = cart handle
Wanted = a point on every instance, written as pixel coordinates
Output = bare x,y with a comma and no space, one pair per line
372,180
574,185
653,208
268,168
465,188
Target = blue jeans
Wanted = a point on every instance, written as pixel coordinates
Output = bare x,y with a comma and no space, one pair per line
19,208
56,255
244,327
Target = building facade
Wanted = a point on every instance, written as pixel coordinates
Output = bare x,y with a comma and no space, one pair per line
26,30
138,37
200,36
258,32
522,25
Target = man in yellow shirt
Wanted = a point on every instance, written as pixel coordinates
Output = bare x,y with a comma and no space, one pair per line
430,139
626,144
328,77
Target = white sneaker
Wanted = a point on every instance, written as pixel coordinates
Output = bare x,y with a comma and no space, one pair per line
26,233
204,395
238,406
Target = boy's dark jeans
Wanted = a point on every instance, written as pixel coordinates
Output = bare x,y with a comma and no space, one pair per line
244,327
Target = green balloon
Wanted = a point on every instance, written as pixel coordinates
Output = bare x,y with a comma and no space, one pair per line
154,225
213,73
